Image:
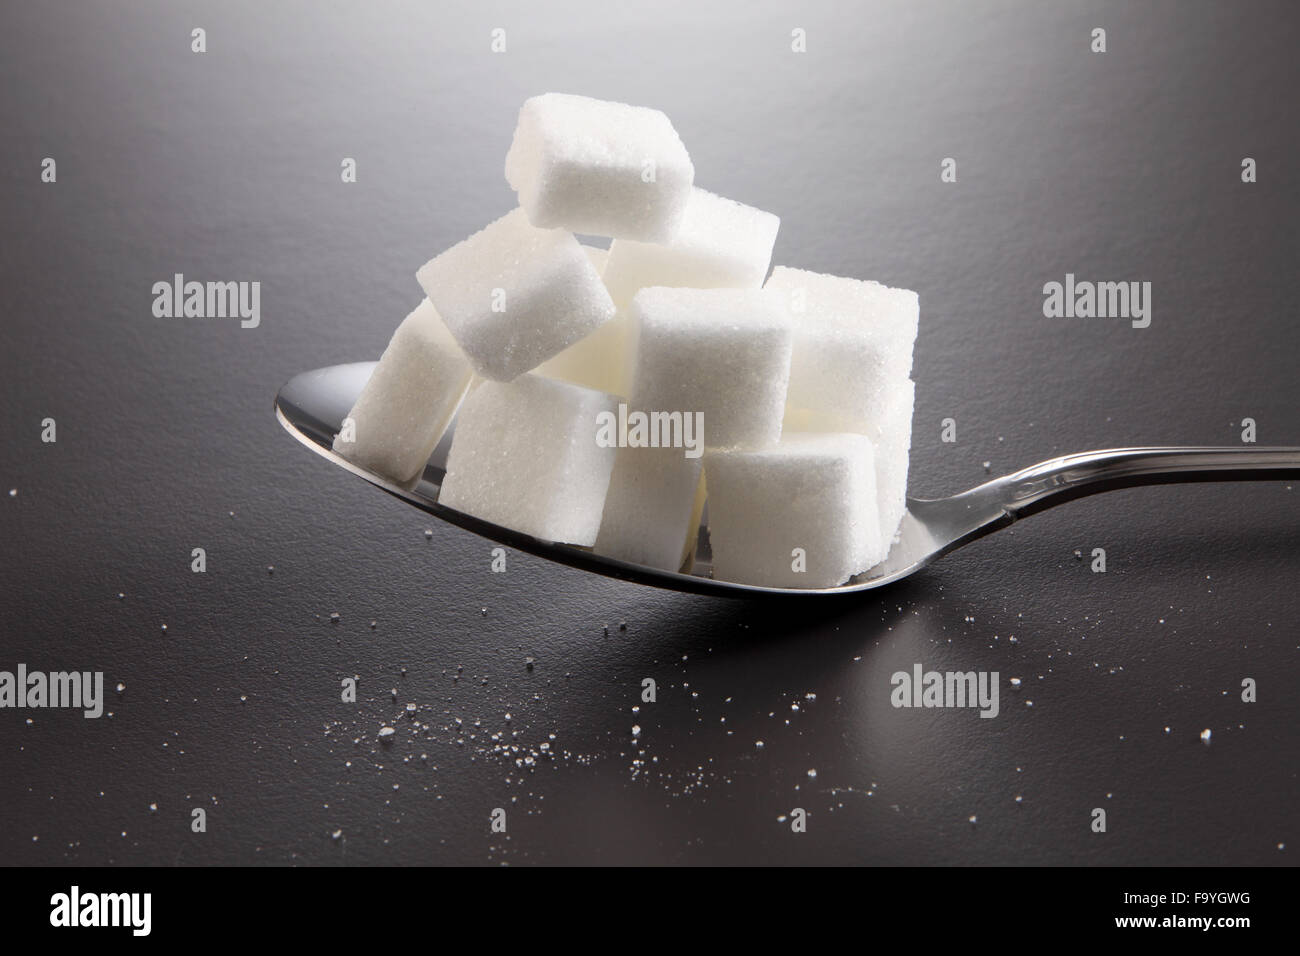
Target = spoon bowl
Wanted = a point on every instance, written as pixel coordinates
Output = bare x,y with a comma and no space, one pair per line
312,406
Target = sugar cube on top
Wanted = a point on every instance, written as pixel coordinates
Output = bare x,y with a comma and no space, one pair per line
599,168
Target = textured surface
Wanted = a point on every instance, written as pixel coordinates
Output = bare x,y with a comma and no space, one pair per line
514,295
524,457
409,399
721,243
801,514
853,344
598,360
891,444
601,168
891,438
721,356
649,510
226,166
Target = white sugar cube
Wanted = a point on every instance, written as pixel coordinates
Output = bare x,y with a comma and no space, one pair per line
650,513
891,439
801,514
407,403
525,456
722,353
852,344
721,244
599,361
514,295
599,168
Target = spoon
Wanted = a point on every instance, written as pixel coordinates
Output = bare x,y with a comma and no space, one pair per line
312,407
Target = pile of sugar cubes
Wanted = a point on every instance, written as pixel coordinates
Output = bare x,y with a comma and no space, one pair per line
606,396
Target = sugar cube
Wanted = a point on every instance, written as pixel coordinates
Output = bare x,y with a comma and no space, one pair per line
891,439
852,344
722,353
800,514
407,403
525,456
599,168
599,361
721,244
650,512
514,295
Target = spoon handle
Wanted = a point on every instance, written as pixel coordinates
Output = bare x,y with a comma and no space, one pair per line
1054,482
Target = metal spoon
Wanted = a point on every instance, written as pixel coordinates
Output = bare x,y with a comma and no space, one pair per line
312,407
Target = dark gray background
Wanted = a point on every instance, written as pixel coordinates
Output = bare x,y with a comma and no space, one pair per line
225,166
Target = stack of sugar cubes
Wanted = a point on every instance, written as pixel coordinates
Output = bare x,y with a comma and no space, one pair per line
605,396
